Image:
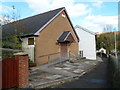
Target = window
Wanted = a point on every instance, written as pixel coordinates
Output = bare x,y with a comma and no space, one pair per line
30,41
81,53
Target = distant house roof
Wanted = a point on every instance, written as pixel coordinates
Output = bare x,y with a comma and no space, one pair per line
35,24
66,36
77,26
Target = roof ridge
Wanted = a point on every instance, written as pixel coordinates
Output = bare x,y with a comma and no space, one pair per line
34,16
78,26
45,12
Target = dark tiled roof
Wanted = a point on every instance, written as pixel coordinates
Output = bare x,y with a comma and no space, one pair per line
30,25
65,36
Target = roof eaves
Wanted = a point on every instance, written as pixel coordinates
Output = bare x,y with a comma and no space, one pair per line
77,26
27,35
38,32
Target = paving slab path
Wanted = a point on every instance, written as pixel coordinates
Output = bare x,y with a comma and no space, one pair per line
99,77
44,74
70,69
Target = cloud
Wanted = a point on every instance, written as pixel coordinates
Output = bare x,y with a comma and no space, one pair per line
73,9
98,4
12,0
78,10
4,14
103,19
97,23
74,0
5,20
5,9
8,12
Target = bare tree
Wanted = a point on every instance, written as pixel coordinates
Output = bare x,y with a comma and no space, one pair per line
107,39
11,41
108,28
12,16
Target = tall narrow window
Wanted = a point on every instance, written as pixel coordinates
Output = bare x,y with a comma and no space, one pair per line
30,41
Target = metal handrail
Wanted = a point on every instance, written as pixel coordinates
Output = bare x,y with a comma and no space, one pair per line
72,54
8,53
58,57
49,54
7,49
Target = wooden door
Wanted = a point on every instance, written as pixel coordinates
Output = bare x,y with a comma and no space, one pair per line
64,49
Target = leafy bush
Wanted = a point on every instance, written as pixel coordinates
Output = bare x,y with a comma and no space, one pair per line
31,63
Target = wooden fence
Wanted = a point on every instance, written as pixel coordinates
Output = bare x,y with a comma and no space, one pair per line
15,71
10,73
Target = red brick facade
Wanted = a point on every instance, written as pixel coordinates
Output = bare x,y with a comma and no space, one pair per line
22,70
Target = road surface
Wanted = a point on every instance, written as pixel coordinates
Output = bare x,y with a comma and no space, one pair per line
100,77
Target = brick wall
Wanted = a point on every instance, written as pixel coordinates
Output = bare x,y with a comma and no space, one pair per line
22,70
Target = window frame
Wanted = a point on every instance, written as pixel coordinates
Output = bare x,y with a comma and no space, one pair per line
31,42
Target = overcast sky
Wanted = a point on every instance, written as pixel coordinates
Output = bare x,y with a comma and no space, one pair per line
93,15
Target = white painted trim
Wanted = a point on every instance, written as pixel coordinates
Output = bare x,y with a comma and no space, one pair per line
31,37
63,16
60,35
67,36
77,26
73,37
38,32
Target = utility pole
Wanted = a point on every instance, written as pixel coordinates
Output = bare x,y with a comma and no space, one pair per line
116,50
115,44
